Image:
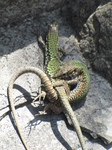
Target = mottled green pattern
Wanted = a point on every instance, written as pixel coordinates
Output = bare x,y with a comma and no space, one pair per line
52,61
86,80
61,72
56,71
80,71
53,68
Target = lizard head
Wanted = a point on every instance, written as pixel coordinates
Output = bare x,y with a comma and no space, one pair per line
68,70
53,27
65,70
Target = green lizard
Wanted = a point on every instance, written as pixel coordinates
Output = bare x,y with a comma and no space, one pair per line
72,72
53,65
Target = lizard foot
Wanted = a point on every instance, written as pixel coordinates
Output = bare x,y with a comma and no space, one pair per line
42,95
44,111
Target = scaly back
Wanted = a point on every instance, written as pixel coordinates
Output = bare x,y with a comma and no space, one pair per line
52,61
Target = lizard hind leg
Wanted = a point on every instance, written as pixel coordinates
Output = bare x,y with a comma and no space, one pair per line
40,96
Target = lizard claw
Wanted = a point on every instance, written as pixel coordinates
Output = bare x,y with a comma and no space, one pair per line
42,95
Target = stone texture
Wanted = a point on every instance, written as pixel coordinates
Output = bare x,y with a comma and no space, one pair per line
96,40
14,11
19,47
94,114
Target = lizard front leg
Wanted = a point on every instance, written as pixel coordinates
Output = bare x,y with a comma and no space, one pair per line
42,95
55,106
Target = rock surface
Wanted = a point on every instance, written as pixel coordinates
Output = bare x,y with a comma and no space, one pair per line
14,11
96,40
19,47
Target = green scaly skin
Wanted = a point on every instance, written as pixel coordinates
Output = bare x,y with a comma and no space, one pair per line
52,61
58,72
82,79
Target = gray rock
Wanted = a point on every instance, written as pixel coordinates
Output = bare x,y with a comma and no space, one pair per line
12,12
94,114
19,28
96,42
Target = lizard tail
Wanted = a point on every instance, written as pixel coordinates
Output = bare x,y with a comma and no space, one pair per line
70,112
48,86
10,87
